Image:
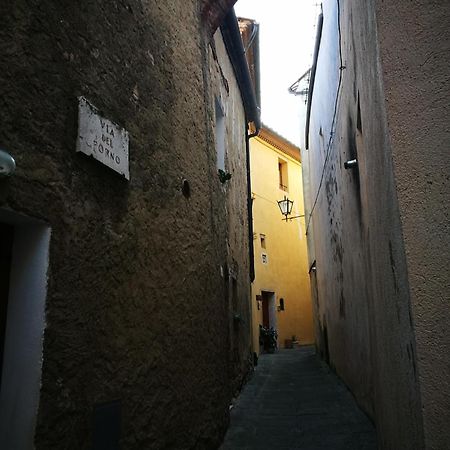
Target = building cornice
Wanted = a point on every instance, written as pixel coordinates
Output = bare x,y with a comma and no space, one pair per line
279,142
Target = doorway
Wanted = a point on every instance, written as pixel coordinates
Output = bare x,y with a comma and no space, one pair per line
6,241
24,251
268,309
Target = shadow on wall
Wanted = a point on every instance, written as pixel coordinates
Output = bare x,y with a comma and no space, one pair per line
324,350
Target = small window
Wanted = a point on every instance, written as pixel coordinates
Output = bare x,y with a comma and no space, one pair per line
262,237
282,175
281,304
220,135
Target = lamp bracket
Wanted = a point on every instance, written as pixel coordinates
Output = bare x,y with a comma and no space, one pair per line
293,217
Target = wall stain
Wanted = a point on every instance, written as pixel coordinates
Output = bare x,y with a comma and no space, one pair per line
394,278
412,358
342,304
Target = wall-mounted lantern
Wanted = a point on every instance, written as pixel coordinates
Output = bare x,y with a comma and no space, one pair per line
7,164
351,164
285,206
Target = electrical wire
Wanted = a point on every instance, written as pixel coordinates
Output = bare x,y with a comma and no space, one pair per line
333,123
264,198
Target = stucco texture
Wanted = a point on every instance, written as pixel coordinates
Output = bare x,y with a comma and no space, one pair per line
415,54
233,214
137,306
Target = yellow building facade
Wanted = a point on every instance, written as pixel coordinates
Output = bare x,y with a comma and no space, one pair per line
281,290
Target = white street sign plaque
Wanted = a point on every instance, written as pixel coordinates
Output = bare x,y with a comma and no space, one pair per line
102,139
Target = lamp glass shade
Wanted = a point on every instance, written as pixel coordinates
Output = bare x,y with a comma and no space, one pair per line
285,206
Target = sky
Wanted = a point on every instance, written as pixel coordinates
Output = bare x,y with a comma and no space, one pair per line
287,34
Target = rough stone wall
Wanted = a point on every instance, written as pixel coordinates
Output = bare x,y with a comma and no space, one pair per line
366,329
135,307
415,53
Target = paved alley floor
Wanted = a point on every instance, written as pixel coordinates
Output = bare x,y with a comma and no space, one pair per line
293,401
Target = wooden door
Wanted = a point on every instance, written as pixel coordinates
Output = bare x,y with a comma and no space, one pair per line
265,311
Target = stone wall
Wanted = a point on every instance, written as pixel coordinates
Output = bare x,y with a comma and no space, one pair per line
136,309
378,292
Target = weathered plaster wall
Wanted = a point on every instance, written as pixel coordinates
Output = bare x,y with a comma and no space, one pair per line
415,53
338,251
233,213
366,326
136,308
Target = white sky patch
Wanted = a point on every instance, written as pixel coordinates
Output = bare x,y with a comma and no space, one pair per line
287,34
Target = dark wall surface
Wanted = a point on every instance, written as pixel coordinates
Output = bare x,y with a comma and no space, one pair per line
135,308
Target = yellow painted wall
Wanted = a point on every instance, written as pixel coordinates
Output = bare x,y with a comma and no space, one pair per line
286,271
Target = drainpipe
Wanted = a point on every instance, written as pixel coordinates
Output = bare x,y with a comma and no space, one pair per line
251,249
249,206
235,49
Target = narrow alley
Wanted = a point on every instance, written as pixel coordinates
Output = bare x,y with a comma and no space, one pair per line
186,186
293,401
